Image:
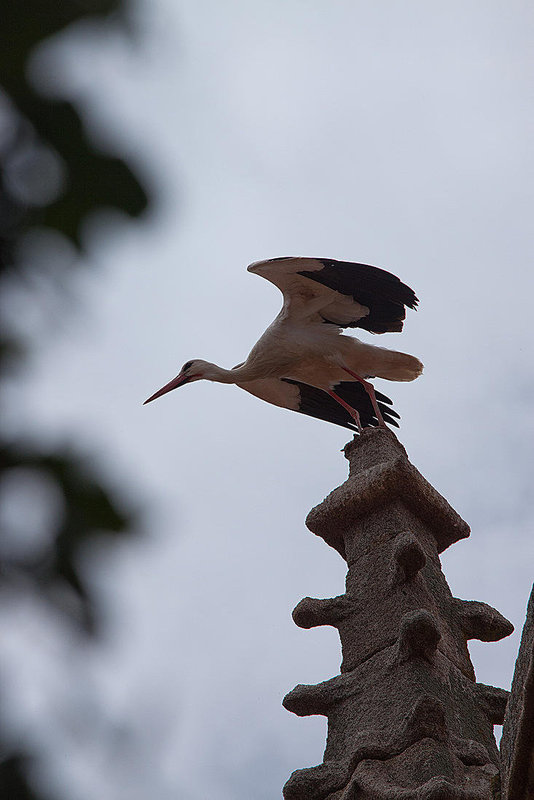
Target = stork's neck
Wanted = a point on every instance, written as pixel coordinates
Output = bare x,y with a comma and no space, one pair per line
245,372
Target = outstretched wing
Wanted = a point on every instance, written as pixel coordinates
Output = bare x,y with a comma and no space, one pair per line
306,399
342,293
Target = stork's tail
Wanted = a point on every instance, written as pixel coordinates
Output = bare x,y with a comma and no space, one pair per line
399,367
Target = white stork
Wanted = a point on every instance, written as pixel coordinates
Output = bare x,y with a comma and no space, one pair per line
303,361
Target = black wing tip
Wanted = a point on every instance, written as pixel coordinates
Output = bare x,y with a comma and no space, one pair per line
317,403
413,300
409,298
379,396
381,291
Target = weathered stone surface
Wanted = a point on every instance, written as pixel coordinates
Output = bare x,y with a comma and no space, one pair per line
382,696
494,701
383,710
380,474
481,621
316,783
306,700
419,636
409,558
311,612
406,720
400,778
367,626
517,743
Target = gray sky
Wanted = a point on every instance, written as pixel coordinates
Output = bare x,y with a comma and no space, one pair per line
396,134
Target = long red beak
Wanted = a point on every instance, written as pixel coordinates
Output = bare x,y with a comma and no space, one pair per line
174,384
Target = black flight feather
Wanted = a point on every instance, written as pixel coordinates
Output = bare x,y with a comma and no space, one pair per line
382,292
317,403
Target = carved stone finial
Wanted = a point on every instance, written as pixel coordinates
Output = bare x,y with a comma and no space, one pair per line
406,720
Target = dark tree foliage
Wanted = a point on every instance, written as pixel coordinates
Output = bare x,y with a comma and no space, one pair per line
93,179
14,784
41,139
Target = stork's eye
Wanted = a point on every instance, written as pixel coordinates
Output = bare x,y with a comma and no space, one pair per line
187,365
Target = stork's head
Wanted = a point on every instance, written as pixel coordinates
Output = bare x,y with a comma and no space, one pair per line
191,371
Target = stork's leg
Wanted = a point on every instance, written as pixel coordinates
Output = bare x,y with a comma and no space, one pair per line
352,411
370,389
